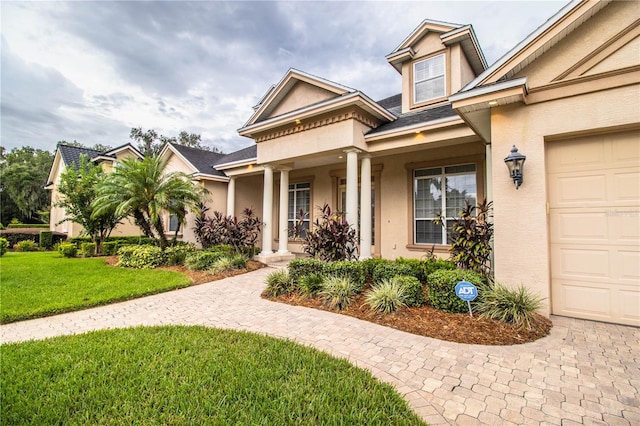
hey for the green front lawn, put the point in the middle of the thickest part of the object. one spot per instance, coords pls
(44, 283)
(188, 376)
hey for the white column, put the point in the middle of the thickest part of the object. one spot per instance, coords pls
(352, 188)
(231, 197)
(488, 173)
(365, 207)
(283, 236)
(267, 211)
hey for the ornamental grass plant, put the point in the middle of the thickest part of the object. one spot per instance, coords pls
(513, 305)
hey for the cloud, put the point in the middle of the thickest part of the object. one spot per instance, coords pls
(92, 70)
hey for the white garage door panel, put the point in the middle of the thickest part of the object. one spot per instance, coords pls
(594, 227)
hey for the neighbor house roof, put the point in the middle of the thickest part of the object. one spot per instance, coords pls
(242, 156)
(71, 154)
(201, 159)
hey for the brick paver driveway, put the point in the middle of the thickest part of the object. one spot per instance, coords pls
(583, 373)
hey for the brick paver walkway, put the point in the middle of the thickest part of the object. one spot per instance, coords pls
(583, 373)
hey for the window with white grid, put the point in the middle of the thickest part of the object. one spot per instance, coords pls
(428, 79)
(440, 191)
(299, 199)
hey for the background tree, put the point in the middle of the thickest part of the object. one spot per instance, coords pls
(144, 191)
(23, 175)
(150, 143)
(78, 188)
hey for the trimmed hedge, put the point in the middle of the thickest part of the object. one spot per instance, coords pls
(4, 245)
(442, 289)
(201, 260)
(46, 239)
(121, 240)
(413, 290)
(28, 225)
(141, 257)
(369, 265)
(351, 269)
(88, 249)
(299, 268)
(14, 236)
(386, 271)
(67, 249)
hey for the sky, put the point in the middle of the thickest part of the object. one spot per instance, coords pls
(90, 71)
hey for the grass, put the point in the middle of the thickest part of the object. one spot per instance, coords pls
(44, 283)
(188, 375)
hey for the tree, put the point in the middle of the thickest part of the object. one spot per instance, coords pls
(150, 143)
(23, 176)
(78, 188)
(144, 191)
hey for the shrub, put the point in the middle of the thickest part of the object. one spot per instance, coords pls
(331, 237)
(19, 225)
(238, 261)
(177, 254)
(278, 283)
(347, 269)
(223, 264)
(25, 245)
(67, 249)
(412, 288)
(88, 249)
(141, 257)
(369, 265)
(299, 268)
(241, 234)
(470, 237)
(110, 248)
(441, 289)
(386, 271)
(4, 245)
(201, 260)
(387, 296)
(415, 265)
(338, 292)
(46, 239)
(513, 305)
(431, 265)
(310, 284)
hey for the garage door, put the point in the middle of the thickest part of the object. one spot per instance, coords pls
(594, 211)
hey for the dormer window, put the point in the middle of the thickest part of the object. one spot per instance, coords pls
(428, 77)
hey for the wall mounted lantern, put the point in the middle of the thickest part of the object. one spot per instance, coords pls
(515, 163)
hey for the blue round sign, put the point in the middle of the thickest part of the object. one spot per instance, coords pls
(466, 291)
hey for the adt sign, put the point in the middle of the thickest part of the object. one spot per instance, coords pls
(466, 291)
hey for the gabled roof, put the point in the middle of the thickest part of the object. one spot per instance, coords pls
(291, 78)
(538, 42)
(116, 150)
(413, 120)
(201, 160)
(71, 154)
(449, 34)
(242, 156)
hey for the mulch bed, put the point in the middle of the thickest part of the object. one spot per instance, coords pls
(423, 321)
(431, 322)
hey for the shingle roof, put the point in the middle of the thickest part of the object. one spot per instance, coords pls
(248, 153)
(201, 159)
(413, 118)
(71, 154)
(392, 104)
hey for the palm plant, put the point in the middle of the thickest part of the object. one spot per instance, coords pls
(144, 191)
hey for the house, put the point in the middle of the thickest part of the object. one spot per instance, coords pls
(69, 156)
(567, 97)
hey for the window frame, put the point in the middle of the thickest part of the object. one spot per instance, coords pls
(443, 175)
(295, 190)
(415, 80)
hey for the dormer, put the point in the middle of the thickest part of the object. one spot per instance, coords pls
(436, 61)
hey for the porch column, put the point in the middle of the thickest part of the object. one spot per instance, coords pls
(231, 197)
(488, 173)
(352, 188)
(283, 237)
(365, 207)
(267, 211)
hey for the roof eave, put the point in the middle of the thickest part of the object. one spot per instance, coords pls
(413, 128)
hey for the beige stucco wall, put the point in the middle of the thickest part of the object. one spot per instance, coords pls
(336, 136)
(301, 95)
(521, 221)
(592, 34)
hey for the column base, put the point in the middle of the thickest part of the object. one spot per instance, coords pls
(274, 257)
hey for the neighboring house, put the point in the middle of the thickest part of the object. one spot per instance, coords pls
(69, 156)
(568, 96)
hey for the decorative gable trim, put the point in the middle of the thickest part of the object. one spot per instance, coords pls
(351, 115)
(273, 97)
(541, 40)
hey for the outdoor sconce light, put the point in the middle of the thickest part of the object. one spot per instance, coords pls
(515, 163)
